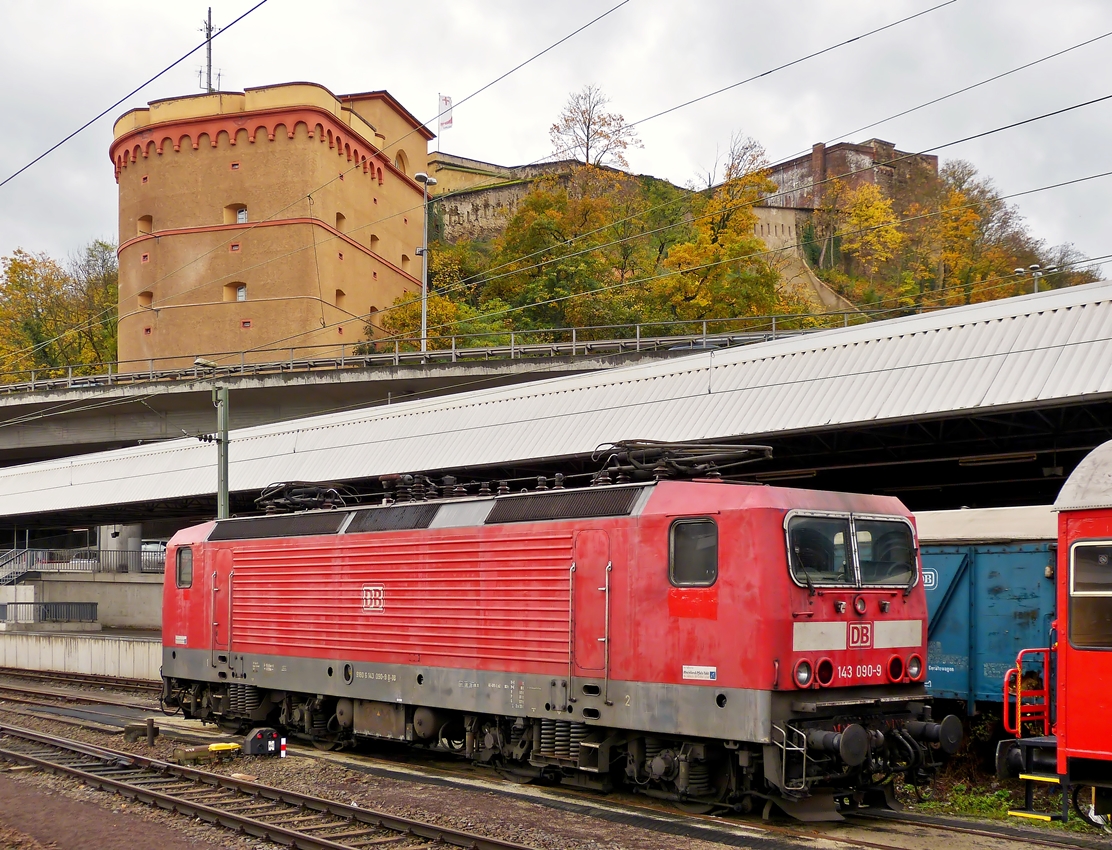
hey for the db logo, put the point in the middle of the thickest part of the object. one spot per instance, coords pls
(860, 634)
(930, 579)
(374, 598)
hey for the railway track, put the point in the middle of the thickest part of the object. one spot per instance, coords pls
(117, 683)
(871, 826)
(285, 817)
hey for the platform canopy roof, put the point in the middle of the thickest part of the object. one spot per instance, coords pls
(1024, 352)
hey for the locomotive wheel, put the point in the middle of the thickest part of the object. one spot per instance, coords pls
(325, 745)
(720, 779)
(1083, 805)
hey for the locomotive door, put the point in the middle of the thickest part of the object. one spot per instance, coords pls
(220, 574)
(591, 603)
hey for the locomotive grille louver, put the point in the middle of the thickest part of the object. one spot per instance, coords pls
(283, 525)
(394, 518)
(566, 504)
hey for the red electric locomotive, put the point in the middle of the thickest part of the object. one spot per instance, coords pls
(1066, 688)
(713, 643)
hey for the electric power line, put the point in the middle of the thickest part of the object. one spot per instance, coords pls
(134, 91)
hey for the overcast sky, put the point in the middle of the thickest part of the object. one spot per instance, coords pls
(65, 61)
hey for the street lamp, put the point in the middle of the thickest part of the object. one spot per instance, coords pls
(1036, 272)
(425, 181)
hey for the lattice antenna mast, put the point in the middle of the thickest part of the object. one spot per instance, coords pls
(207, 30)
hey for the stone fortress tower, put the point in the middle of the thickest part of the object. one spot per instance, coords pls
(252, 223)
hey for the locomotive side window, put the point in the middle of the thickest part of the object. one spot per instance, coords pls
(693, 553)
(184, 571)
(886, 551)
(1090, 617)
(819, 550)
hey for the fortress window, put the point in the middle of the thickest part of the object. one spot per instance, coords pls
(234, 166)
(144, 225)
(693, 553)
(374, 243)
(146, 298)
(235, 214)
(236, 291)
(405, 262)
(341, 222)
(401, 162)
(145, 178)
(341, 296)
(184, 572)
(146, 258)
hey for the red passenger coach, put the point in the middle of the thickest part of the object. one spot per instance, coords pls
(1066, 689)
(706, 642)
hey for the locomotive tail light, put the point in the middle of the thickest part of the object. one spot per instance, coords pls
(895, 668)
(914, 668)
(859, 604)
(803, 674)
(824, 672)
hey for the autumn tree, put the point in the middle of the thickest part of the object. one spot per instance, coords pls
(869, 227)
(52, 315)
(725, 269)
(587, 132)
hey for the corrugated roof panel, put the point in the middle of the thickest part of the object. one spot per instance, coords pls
(1046, 346)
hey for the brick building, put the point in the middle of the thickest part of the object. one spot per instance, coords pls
(800, 180)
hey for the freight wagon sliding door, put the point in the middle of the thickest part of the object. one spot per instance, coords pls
(591, 602)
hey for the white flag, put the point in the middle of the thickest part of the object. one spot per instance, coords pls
(445, 112)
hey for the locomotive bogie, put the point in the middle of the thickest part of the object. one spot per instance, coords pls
(701, 641)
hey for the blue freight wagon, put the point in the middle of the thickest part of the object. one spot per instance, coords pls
(989, 577)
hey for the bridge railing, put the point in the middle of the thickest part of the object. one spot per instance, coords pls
(396, 351)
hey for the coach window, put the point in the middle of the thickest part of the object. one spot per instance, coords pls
(1090, 617)
(819, 550)
(185, 567)
(693, 553)
(886, 551)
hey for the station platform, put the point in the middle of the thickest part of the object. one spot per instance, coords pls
(128, 653)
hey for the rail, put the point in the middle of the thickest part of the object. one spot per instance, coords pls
(48, 612)
(397, 351)
(262, 811)
(1033, 712)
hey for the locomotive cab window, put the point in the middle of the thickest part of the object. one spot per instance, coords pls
(693, 553)
(819, 551)
(1090, 617)
(184, 569)
(885, 551)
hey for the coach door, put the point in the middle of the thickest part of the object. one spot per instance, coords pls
(220, 575)
(1086, 663)
(591, 603)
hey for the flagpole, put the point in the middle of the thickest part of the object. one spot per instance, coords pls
(439, 101)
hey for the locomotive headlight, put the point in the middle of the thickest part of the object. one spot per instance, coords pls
(859, 604)
(803, 674)
(914, 667)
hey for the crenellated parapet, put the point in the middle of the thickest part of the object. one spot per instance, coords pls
(214, 130)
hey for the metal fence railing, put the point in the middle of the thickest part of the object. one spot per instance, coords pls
(395, 351)
(48, 612)
(16, 562)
